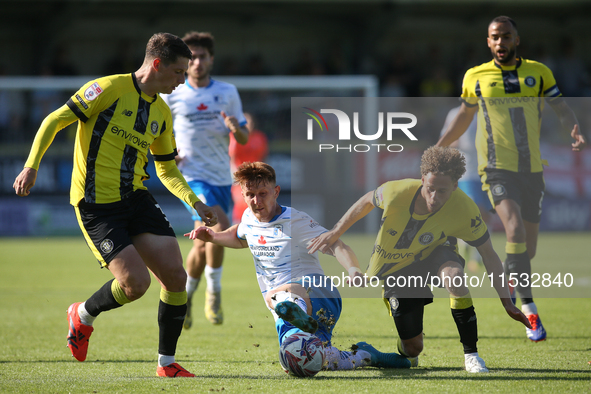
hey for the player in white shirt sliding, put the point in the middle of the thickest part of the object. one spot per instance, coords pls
(205, 112)
(291, 280)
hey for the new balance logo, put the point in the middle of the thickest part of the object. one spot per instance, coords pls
(127, 112)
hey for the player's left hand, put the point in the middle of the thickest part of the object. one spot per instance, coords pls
(515, 313)
(207, 214)
(203, 233)
(580, 142)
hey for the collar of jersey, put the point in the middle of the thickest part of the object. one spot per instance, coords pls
(412, 208)
(283, 209)
(508, 68)
(143, 95)
(205, 87)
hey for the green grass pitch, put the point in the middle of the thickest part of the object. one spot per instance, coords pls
(39, 278)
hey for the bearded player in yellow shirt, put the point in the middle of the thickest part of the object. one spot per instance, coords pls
(421, 222)
(509, 93)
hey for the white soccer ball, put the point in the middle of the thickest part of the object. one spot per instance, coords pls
(301, 355)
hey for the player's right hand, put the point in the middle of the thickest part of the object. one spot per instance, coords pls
(514, 312)
(356, 278)
(323, 242)
(25, 181)
(205, 234)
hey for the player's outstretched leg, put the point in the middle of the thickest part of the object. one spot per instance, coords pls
(383, 360)
(78, 333)
(292, 313)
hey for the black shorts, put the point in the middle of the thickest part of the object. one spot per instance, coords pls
(526, 189)
(108, 228)
(406, 304)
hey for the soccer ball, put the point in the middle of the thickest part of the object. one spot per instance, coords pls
(301, 355)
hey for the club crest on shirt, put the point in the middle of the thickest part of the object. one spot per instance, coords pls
(530, 81)
(277, 230)
(154, 127)
(426, 238)
(92, 91)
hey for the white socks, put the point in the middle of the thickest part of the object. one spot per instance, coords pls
(85, 317)
(340, 360)
(192, 284)
(164, 361)
(529, 309)
(214, 279)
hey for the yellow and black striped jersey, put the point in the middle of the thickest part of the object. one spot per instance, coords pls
(510, 114)
(406, 237)
(118, 124)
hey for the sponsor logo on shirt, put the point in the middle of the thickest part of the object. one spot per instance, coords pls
(134, 139)
(202, 107)
(476, 222)
(384, 254)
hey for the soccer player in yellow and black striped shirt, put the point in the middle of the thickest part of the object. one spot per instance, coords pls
(421, 221)
(120, 118)
(509, 92)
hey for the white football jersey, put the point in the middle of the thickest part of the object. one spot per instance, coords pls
(201, 136)
(279, 246)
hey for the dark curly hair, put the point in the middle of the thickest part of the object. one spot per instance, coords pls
(443, 161)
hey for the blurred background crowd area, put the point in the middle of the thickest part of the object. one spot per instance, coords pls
(414, 48)
(408, 49)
